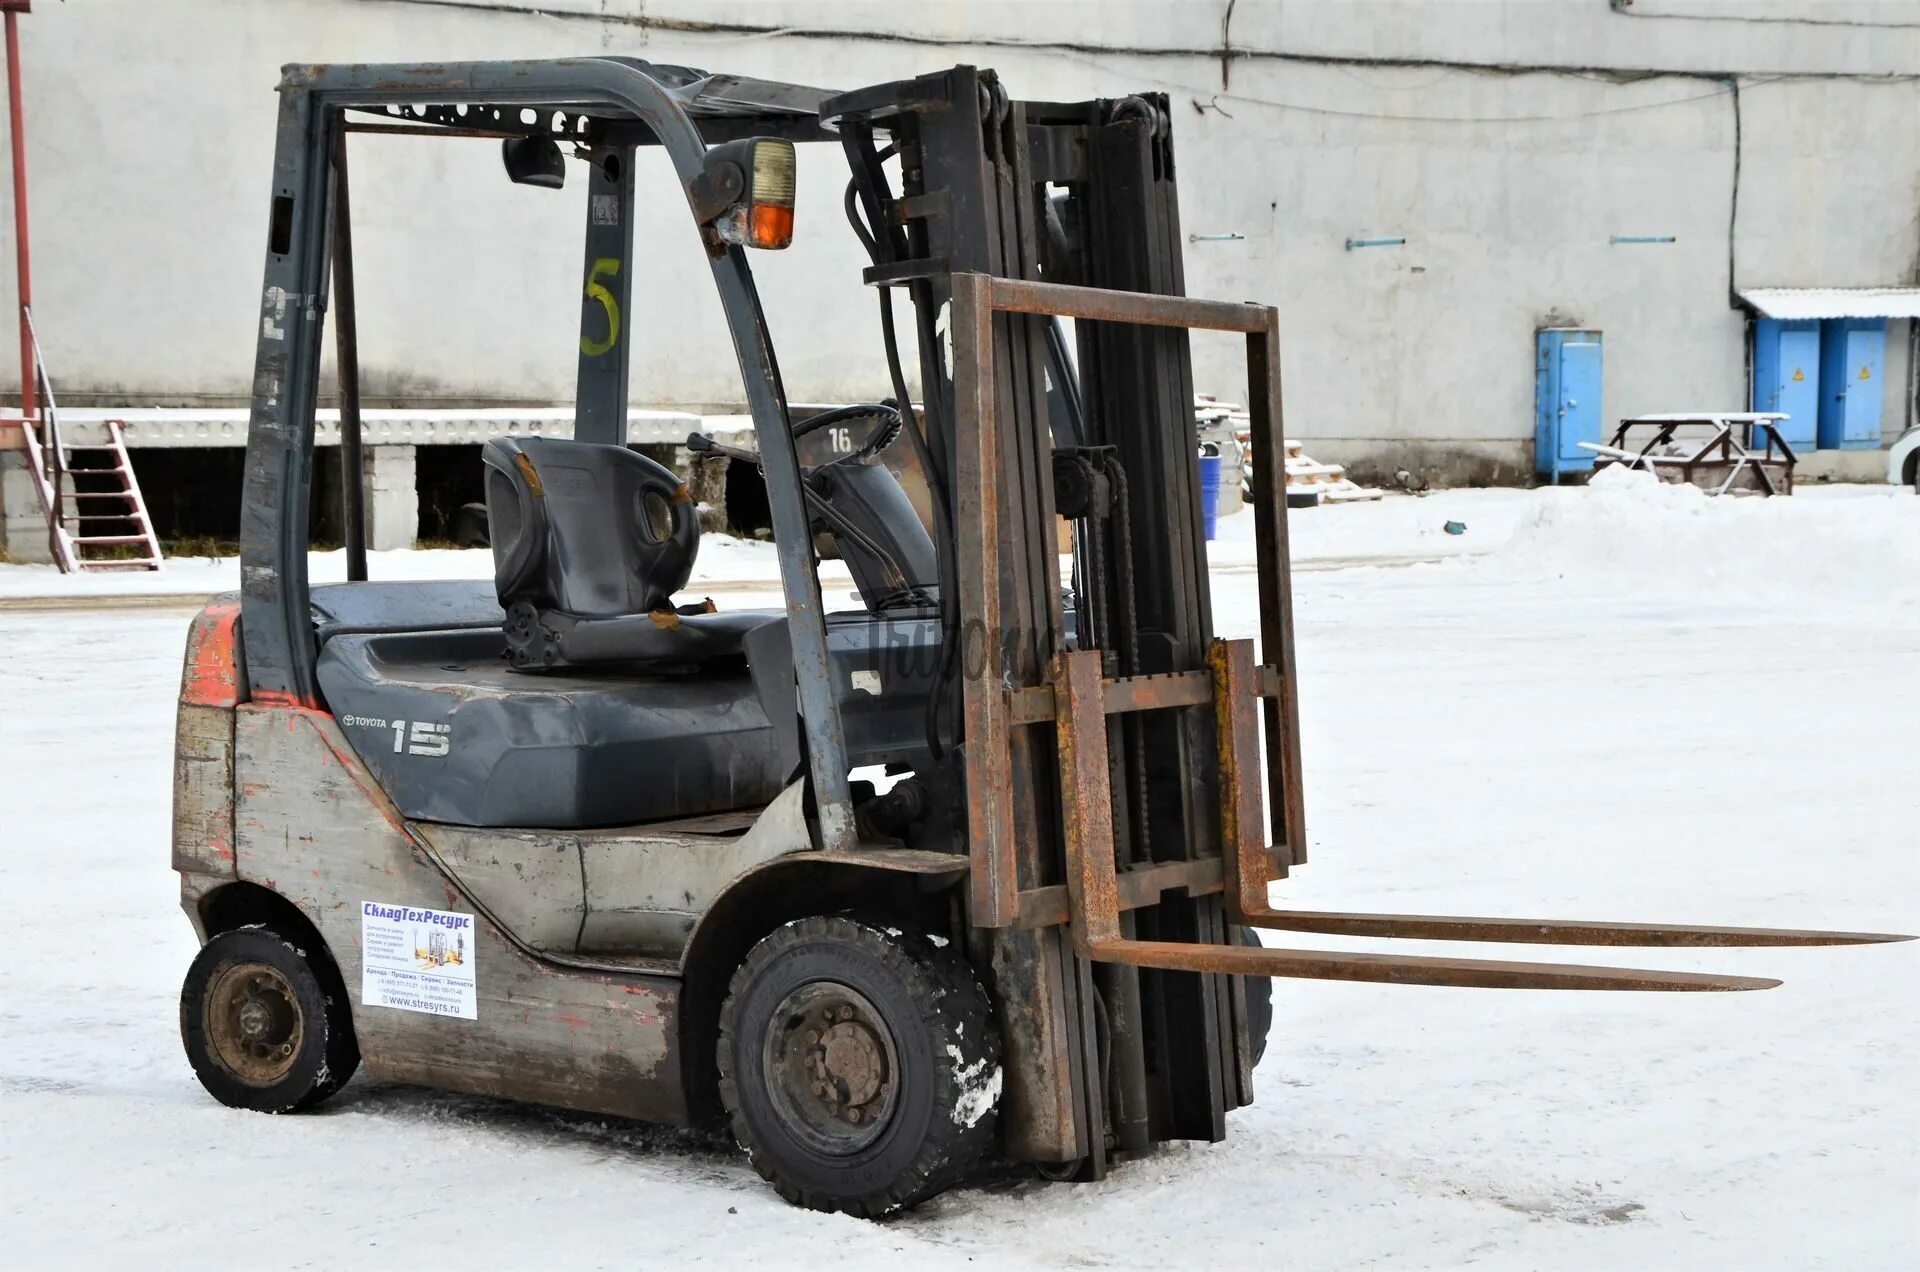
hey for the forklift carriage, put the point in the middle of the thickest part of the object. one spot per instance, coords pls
(560, 839)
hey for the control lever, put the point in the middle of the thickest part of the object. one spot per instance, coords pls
(701, 444)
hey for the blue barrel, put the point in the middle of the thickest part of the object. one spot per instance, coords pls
(1210, 492)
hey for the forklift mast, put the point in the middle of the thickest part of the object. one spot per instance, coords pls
(997, 192)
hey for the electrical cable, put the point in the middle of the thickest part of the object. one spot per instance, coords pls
(934, 472)
(1626, 10)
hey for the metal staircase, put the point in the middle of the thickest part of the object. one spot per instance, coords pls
(96, 518)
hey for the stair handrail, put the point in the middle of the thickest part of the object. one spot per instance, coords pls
(116, 433)
(50, 461)
(47, 460)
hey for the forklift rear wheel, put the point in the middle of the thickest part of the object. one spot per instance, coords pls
(860, 1064)
(266, 1025)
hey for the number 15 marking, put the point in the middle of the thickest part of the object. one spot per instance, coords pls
(430, 740)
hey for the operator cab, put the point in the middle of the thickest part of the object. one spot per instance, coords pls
(580, 693)
(582, 687)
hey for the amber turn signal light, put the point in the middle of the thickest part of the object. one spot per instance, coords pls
(745, 192)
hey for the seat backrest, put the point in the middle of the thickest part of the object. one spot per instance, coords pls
(586, 529)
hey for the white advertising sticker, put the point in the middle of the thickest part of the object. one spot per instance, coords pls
(417, 960)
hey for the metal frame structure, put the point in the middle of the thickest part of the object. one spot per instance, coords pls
(1067, 697)
(1724, 454)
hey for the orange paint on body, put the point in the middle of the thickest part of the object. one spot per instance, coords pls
(211, 677)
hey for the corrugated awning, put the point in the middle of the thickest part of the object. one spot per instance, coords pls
(1833, 302)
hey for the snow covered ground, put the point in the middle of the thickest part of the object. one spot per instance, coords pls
(1636, 704)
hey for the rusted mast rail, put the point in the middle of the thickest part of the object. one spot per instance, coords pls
(1081, 697)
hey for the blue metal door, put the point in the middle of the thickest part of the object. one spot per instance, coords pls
(1853, 354)
(1566, 400)
(1579, 398)
(1786, 376)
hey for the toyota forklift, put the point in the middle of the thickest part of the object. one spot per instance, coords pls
(571, 837)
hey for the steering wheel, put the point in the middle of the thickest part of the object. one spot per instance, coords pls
(886, 435)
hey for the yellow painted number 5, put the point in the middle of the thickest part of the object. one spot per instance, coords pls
(604, 267)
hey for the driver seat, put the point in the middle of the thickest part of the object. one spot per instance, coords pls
(590, 542)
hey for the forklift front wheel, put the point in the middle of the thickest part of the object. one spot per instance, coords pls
(265, 1028)
(859, 1063)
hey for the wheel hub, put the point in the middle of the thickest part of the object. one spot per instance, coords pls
(831, 1067)
(850, 1059)
(254, 1021)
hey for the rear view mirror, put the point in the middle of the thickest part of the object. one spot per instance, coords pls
(534, 161)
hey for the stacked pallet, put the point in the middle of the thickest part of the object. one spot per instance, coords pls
(1304, 474)
(1329, 481)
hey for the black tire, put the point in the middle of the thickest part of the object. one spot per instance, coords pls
(884, 1107)
(266, 1025)
(1259, 999)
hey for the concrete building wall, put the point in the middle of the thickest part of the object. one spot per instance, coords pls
(1506, 140)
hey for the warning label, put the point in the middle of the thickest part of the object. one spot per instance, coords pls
(417, 960)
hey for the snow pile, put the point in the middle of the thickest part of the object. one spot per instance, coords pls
(1630, 530)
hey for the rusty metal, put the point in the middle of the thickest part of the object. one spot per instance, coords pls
(831, 1067)
(1035, 703)
(1086, 797)
(1395, 969)
(989, 705)
(1134, 888)
(23, 272)
(983, 705)
(1248, 866)
(254, 1021)
(1282, 708)
(1433, 927)
(1041, 1113)
(1098, 304)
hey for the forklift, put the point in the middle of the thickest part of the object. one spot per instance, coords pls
(571, 838)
